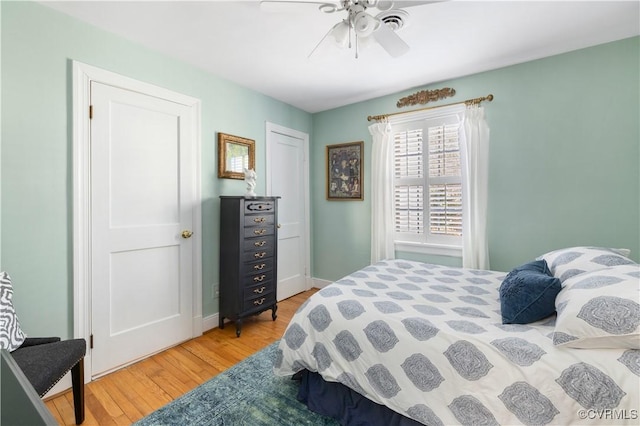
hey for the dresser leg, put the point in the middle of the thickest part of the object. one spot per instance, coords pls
(221, 323)
(238, 327)
(273, 312)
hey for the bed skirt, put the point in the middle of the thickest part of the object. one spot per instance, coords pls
(343, 404)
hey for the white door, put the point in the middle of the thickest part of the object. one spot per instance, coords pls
(141, 203)
(287, 177)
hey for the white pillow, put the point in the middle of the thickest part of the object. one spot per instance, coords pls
(600, 309)
(11, 335)
(568, 262)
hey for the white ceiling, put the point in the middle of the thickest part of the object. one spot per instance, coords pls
(266, 48)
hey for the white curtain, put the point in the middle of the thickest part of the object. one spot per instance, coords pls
(475, 251)
(381, 193)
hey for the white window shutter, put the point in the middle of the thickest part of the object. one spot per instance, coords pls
(408, 156)
(409, 182)
(409, 209)
(428, 181)
(445, 209)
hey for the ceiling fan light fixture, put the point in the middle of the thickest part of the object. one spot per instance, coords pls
(364, 24)
(340, 33)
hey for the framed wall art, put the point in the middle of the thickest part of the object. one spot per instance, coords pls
(234, 155)
(344, 171)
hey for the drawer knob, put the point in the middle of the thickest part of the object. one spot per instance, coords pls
(259, 302)
(259, 278)
(259, 267)
(259, 220)
(259, 290)
(260, 255)
(259, 231)
(260, 243)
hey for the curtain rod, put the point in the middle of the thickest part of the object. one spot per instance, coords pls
(475, 101)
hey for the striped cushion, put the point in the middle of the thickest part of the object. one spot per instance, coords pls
(11, 336)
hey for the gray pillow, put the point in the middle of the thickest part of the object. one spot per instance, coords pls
(600, 309)
(568, 262)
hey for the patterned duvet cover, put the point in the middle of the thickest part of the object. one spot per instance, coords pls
(428, 342)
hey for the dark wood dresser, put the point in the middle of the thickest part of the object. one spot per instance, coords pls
(248, 257)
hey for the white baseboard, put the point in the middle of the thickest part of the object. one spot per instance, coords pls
(210, 322)
(319, 283)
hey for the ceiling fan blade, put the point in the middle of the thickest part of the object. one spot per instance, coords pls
(390, 41)
(410, 3)
(330, 5)
(297, 1)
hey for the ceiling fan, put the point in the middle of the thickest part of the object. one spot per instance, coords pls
(359, 27)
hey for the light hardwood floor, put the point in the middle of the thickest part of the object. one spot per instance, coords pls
(129, 394)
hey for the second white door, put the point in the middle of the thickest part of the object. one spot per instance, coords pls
(287, 177)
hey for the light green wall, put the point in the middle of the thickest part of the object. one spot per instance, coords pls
(564, 160)
(38, 45)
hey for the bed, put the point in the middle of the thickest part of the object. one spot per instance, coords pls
(432, 345)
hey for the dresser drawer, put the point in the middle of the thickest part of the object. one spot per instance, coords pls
(258, 231)
(258, 290)
(259, 206)
(254, 244)
(261, 266)
(258, 278)
(260, 254)
(258, 219)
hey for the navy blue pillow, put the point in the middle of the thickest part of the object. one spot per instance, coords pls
(528, 293)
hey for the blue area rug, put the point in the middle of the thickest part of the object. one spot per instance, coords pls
(246, 394)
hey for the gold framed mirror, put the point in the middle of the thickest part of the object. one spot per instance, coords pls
(234, 155)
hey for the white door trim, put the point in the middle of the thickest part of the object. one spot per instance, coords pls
(275, 128)
(83, 74)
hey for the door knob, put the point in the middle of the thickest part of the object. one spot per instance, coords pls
(186, 233)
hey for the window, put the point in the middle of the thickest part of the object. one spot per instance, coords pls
(428, 182)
